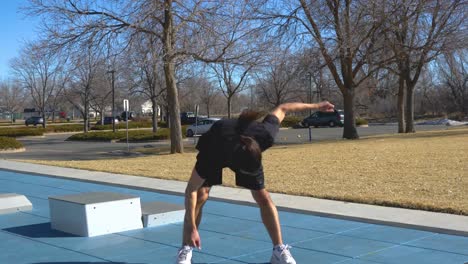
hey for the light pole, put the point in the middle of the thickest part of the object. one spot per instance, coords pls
(310, 101)
(112, 72)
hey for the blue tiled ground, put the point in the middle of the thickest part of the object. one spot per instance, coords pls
(230, 234)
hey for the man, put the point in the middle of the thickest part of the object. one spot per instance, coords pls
(238, 144)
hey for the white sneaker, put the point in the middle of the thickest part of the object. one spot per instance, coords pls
(184, 256)
(281, 255)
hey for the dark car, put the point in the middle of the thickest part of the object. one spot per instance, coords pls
(34, 120)
(108, 120)
(331, 119)
(187, 118)
(123, 116)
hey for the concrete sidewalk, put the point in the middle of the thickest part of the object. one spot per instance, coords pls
(415, 219)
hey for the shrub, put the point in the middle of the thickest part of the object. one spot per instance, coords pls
(65, 128)
(361, 121)
(290, 121)
(123, 125)
(9, 143)
(133, 135)
(21, 132)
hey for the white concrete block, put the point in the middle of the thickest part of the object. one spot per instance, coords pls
(12, 202)
(160, 213)
(95, 213)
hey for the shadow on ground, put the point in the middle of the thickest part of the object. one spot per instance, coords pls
(37, 231)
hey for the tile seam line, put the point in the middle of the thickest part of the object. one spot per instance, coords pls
(365, 225)
(52, 245)
(394, 246)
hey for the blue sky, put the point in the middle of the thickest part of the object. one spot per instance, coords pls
(15, 29)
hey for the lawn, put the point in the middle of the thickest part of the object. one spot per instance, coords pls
(425, 170)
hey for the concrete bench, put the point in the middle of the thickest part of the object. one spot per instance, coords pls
(95, 213)
(12, 202)
(160, 213)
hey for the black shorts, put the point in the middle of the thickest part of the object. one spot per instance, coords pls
(210, 168)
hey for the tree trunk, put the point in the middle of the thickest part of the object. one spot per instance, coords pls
(86, 116)
(174, 116)
(349, 131)
(409, 111)
(401, 105)
(229, 99)
(44, 124)
(169, 73)
(154, 115)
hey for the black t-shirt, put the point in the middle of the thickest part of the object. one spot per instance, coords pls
(223, 136)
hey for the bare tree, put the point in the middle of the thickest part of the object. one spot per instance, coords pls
(39, 71)
(345, 33)
(100, 92)
(146, 78)
(12, 98)
(198, 91)
(208, 93)
(183, 29)
(84, 79)
(455, 76)
(419, 31)
(277, 83)
(232, 79)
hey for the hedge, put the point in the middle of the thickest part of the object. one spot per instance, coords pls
(131, 124)
(361, 121)
(133, 135)
(9, 143)
(65, 128)
(291, 121)
(21, 132)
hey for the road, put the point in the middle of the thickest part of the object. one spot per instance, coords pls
(328, 133)
(55, 146)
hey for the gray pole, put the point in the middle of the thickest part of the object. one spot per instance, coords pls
(310, 101)
(113, 99)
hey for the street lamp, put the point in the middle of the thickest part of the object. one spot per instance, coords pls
(310, 101)
(112, 72)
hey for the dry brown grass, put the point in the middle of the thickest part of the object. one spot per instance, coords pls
(426, 170)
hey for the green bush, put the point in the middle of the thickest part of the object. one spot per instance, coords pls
(361, 121)
(98, 136)
(290, 121)
(123, 125)
(65, 128)
(21, 132)
(133, 135)
(9, 143)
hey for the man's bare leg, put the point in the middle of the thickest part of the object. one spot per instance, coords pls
(269, 215)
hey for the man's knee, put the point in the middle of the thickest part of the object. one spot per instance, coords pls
(202, 195)
(262, 197)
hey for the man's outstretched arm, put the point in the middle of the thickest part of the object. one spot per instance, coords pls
(282, 109)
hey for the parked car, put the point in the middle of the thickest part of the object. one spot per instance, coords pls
(34, 120)
(123, 116)
(108, 121)
(331, 119)
(201, 127)
(187, 118)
